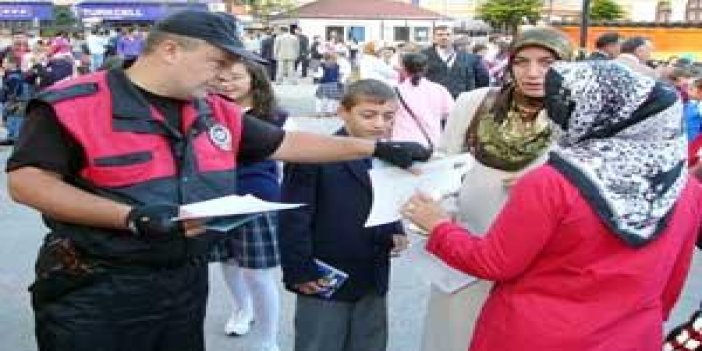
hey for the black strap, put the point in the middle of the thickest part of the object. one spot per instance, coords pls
(415, 118)
(205, 119)
(53, 96)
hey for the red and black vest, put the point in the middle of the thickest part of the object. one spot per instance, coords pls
(133, 156)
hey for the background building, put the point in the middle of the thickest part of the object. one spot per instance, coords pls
(25, 14)
(364, 20)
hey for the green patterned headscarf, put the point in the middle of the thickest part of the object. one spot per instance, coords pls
(502, 139)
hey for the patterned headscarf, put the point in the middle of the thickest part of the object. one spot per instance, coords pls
(620, 141)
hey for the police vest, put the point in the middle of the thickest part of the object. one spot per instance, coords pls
(137, 159)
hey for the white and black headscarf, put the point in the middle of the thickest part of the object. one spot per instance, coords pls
(620, 141)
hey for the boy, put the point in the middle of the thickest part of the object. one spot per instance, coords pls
(331, 229)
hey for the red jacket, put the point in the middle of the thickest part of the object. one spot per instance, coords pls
(563, 280)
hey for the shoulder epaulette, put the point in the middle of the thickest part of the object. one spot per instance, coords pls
(57, 95)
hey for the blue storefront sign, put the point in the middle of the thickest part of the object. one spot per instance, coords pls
(26, 11)
(124, 11)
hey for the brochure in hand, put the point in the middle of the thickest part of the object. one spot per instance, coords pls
(333, 276)
(227, 223)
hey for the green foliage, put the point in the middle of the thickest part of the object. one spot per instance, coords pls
(510, 13)
(63, 17)
(265, 9)
(605, 10)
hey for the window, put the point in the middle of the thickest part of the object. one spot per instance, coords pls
(663, 11)
(401, 34)
(693, 12)
(358, 33)
(421, 34)
(335, 32)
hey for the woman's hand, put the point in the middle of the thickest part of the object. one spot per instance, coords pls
(424, 212)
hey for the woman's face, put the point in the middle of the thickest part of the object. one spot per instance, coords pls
(529, 68)
(237, 84)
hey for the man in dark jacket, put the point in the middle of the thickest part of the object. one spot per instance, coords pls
(608, 46)
(304, 59)
(267, 53)
(457, 71)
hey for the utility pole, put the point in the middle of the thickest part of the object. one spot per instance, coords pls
(584, 24)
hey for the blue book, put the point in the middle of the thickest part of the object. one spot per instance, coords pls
(333, 276)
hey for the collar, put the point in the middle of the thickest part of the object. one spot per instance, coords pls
(629, 57)
(359, 168)
(131, 103)
(132, 112)
(341, 132)
(602, 53)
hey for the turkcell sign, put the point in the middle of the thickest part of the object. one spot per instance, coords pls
(133, 12)
(113, 13)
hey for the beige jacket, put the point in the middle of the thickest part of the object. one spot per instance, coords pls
(286, 47)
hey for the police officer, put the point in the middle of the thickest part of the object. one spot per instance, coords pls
(108, 158)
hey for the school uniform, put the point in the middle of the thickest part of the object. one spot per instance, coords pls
(331, 228)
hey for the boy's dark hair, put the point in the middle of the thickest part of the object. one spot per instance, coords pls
(415, 64)
(630, 45)
(367, 90)
(607, 39)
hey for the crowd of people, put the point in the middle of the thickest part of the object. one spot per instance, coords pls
(29, 63)
(578, 218)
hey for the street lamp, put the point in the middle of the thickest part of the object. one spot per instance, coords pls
(584, 23)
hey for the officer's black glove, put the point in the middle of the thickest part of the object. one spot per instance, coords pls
(155, 222)
(401, 153)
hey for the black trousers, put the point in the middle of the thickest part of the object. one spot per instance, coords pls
(305, 62)
(146, 310)
(272, 69)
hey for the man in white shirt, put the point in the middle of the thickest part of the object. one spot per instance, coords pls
(97, 45)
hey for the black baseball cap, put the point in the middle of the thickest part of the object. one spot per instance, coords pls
(216, 28)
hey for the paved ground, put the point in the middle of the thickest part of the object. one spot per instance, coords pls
(21, 233)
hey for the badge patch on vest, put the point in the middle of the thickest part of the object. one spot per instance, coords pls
(220, 137)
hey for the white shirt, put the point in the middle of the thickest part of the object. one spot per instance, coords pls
(96, 44)
(447, 55)
(372, 67)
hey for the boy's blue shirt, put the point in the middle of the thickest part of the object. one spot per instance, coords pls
(330, 228)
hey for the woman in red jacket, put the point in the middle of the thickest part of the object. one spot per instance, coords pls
(591, 250)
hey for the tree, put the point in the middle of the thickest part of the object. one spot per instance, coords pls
(510, 13)
(606, 10)
(265, 9)
(64, 17)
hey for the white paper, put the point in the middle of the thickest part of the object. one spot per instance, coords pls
(436, 271)
(231, 205)
(392, 187)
